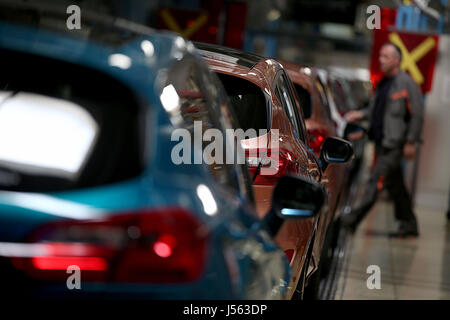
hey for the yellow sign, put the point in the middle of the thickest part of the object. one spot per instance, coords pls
(190, 30)
(409, 59)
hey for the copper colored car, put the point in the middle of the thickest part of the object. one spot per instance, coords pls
(263, 98)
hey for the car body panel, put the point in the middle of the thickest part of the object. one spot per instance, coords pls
(293, 235)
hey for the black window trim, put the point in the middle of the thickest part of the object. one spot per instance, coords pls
(300, 129)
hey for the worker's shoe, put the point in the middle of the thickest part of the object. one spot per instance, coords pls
(404, 234)
(406, 229)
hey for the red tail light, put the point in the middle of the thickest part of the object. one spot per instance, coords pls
(274, 164)
(164, 245)
(316, 138)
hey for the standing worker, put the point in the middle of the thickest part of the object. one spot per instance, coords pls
(396, 116)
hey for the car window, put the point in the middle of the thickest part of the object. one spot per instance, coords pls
(284, 93)
(338, 95)
(348, 94)
(248, 102)
(304, 98)
(202, 98)
(323, 98)
(60, 132)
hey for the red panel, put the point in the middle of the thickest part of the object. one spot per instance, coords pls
(185, 18)
(411, 40)
(388, 16)
(235, 25)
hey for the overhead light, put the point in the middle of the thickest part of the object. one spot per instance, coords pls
(337, 30)
(273, 15)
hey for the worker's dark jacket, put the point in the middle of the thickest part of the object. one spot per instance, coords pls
(403, 115)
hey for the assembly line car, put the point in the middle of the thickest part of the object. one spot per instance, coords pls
(315, 106)
(263, 99)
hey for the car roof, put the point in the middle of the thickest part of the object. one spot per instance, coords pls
(257, 69)
(230, 55)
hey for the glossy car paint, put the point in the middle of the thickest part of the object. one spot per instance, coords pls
(294, 235)
(338, 119)
(241, 261)
(335, 177)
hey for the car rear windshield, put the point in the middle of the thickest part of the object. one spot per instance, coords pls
(248, 102)
(64, 126)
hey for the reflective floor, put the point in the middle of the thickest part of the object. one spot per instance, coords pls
(415, 268)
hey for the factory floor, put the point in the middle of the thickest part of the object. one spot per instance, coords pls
(378, 267)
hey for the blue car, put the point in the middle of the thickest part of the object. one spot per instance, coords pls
(92, 203)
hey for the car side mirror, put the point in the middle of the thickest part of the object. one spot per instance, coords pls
(293, 197)
(335, 150)
(354, 131)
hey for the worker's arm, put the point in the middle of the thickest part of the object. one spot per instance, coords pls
(363, 114)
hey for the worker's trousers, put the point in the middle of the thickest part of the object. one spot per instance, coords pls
(387, 173)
